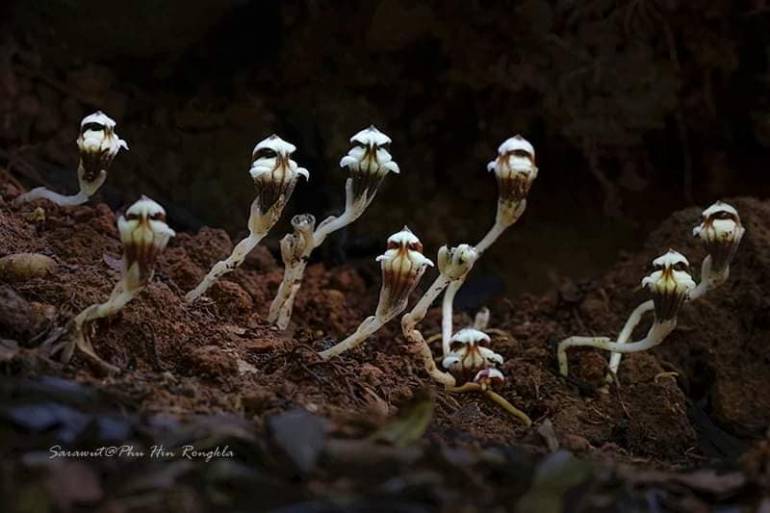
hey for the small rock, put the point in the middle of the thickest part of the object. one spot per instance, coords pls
(25, 266)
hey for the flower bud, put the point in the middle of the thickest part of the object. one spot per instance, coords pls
(144, 234)
(98, 144)
(403, 264)
(721, 232)
(274, 172)
(468, 351)
(294, 245)
(455, 262)
(670, 284)
(489, 377)
(514, 168)
(368, 161)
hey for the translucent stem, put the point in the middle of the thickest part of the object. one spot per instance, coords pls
(709, 280)
(364, 331)
(627, 331)
(282, 306)
(413, 335)
(504, 404)
(225, 266)
(120, 296)
(496, 398)
(54, 197)
(447, 312)
(658, 332)
(507, 215)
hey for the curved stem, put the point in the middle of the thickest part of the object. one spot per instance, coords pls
(283, 303)
(412, 334)
(507, 215)
(504, 404)
(465, 387)
(364, 331)
(627, 331)
(709, 280)
(658, 332)
(54, 197)
(121, 295)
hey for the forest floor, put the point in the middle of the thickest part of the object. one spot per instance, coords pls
(685, 429)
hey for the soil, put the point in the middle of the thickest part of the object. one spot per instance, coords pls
(220, 356)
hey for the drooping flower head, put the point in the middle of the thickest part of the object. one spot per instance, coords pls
(514, 168)
(403, 264)
(489, 377)
(274, 172)
(670, 284)
(469, 351)
(721, 232)
(98, 144)
(144, 234)
(369, 161)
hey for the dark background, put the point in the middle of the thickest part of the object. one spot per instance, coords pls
(636, 108)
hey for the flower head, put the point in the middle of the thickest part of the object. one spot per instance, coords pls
(274, 172)
(294, 245)
(468, 350)
(670, 284)
(403, 264)
(489, 377)
(369, 161)
(514, 168)
(98, 144)
(144, 234)
(455, 262)
(721, 231)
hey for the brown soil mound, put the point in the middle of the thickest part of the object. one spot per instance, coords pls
(219, 355)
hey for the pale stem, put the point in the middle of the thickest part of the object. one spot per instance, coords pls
(709, 280)
(225, 266)
(364, 331)
(507, 406)
(658, 332)
(87, 189)
(446, 314)
(507, 215)
(627, 331)
(496, 398)
(412, 334)
(283, 304)
(54, 197)
(120, 296)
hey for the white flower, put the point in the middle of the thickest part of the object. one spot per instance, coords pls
(721, 231)
(488, 377)
(514, 168)
(98, 144)
(144, 234)
(670, 284)
(403, 264)
(274, 172)
(369, 161)
(468, 351)
(455, 262)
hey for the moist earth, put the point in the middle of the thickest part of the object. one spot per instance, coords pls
(701, 395)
